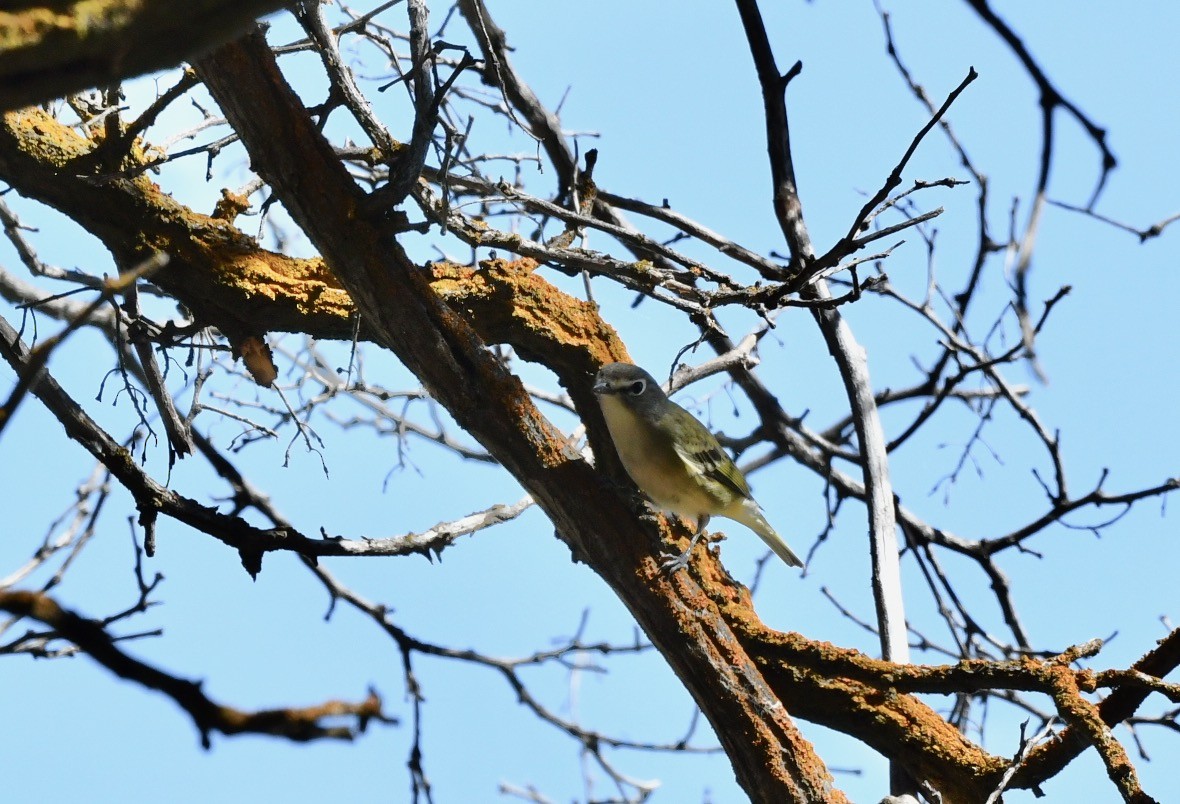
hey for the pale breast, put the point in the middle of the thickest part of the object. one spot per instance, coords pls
(654, 466)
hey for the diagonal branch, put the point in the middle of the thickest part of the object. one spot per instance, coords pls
(1047, 760)
(301, 725)
(849, 355)
(594, 517)
(850, 242)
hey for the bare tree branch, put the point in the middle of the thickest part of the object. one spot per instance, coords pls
(208, 716)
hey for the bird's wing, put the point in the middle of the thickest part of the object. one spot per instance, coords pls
(708, 460)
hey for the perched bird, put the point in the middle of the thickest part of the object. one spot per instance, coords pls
(675, 460)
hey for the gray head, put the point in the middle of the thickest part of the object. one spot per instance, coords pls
(631, 384)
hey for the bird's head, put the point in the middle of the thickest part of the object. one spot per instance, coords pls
(631, 384)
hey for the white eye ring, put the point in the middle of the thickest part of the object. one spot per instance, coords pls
(637, 388)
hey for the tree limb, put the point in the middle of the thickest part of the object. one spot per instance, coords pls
(52, 49)
(300, 725)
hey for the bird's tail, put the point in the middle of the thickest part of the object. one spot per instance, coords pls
(750, 515)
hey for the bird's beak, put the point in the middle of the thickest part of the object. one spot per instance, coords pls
(600, 387)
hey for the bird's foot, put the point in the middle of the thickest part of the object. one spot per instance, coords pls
(676, 561)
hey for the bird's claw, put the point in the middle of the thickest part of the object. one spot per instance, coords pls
(676, 561)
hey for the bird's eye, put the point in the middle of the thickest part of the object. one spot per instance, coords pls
(636, 388)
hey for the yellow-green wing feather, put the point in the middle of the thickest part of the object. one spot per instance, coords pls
(704, 456)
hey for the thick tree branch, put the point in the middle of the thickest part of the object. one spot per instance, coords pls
(1047, 760)
(849, 355)
(440, 318)
(224, 277)
(487, 401)
(52, 49)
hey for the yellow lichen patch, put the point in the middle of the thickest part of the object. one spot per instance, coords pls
(507, 301)
(91, 16)
(306, 283)
(43, 137)
(27, 27)
(230, 206)
(226, 279)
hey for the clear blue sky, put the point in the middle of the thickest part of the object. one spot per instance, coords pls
(671, 95)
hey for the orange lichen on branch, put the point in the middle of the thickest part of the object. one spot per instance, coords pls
(30, 27)
(509, 302)
(221, 274)
(874, 701)
(231, 282)
(230, 205)
(695, 618)
(866, 698)
(43, 137)
(305, 284)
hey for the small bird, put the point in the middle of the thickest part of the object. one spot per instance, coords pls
(675, 460)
